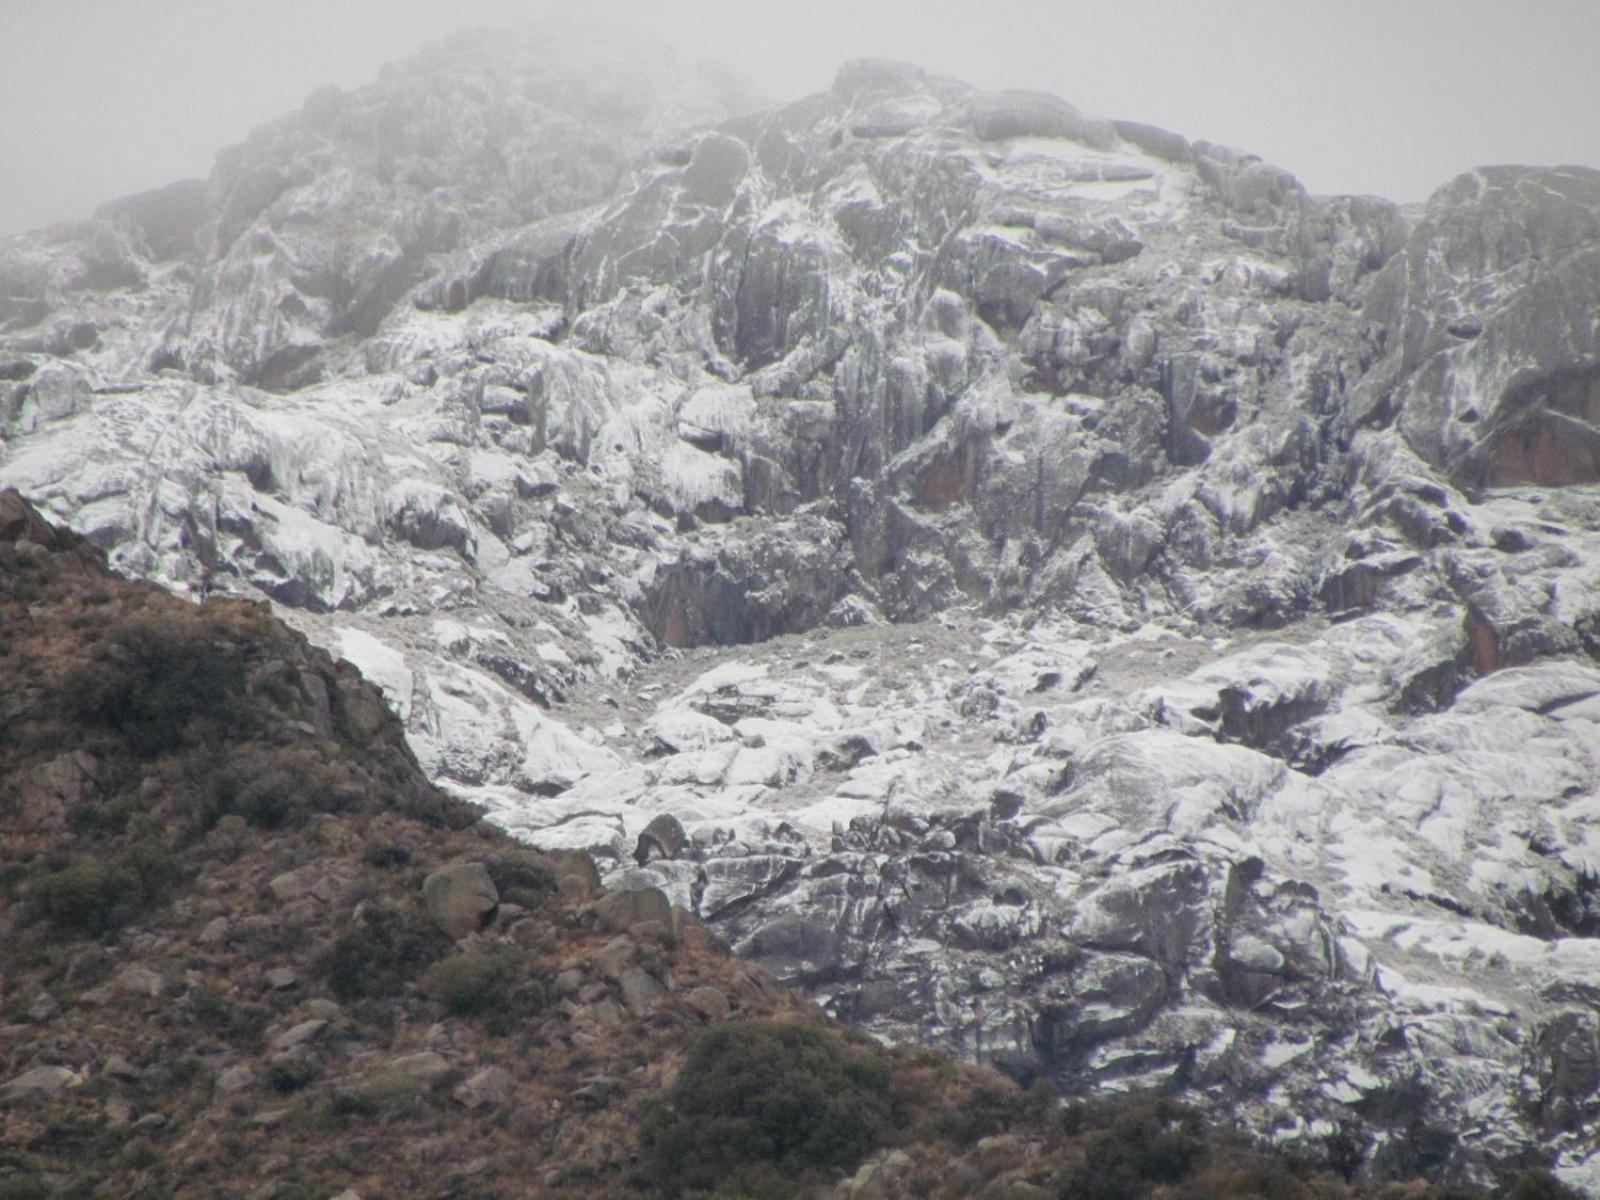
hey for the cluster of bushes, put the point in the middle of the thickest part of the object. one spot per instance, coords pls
(158, 683)
(1144, 1143)
(470, 983)
(766, 1110)
(388, 947)
(491, 984)
(277, 788)
(91, 897)
(985, 1111)
(761, 1107)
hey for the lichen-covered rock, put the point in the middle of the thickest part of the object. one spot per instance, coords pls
(41, 1083)
(488, 1088)
(633, 910)
(460, 899)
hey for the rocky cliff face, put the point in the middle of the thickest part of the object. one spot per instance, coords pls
(1047, 587)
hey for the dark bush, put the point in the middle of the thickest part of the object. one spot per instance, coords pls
(437, 810)
(211, 1009)
(1540, 1185)
(990, 1110)
(270, 789)
(272, 802)
(764, 1099)
(520, 879)
(90, 819)
(1145, 1142)
(387, 854)
(522, 1003)
(96, 897)
(287, 1075)
(214, 1012)
(376, 959)
(154, 680)
(180, 1073)
(1248, 1179)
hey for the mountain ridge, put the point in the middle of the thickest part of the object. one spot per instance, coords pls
(1237, 546)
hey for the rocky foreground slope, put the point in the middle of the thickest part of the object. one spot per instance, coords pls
(1047, 587)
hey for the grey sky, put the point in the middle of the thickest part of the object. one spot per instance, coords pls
(103, 97)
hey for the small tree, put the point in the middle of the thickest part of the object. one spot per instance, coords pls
(764, 1097)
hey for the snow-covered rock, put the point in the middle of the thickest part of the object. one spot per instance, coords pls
(1052, 589)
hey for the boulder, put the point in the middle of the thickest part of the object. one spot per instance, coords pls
(461, 899)
(640, 990)
(299, 1035)
(709, 1003)
(322, 882)
(137, 980)
(119, 1068)
(280, 978)
(235, 1079)
(41, 1083)
(633, 911)
(663, 837)
(616, 956)
(428, 1067)
(577, 876)
(489, 1088)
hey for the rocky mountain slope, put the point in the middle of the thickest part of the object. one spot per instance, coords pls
(1048, 588)
(251, 951)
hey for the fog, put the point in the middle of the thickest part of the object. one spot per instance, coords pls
(99, 98)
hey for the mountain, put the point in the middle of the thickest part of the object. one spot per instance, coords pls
(252, 951)
(1049, 589)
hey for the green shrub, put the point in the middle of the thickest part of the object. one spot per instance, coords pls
(376, 959)
(242, 1024)
(271, 789)
(386, 1091)
(96, 897)
(989, 1110)
(90, 819)
(286, 1075)
(211, 1009)
(230, 838)
(1540, 1185)
(272, 802)
(347, 1105)
(763, 1102)
(469, 983)
(141, 1156)
(523, 1003)
(154, 680)
(182, 1072)
(433, 808)
(521, 879)
(24, 1188)
(387, 854)
(1145, 1142)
